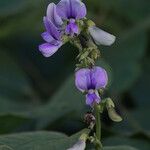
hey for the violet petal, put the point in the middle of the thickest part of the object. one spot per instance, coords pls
(78, 9)
(82, 79)
(68, 9)
(53, 16)
(99, 77)
(47, 37)
(48, 49)
(63, 8)
(52, 29)
(72, 28)
(92, 98)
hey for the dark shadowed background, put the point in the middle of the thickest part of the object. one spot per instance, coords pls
(38, 93)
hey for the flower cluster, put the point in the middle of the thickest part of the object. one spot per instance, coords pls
(67, 22)
(68, 18)
(61, 19)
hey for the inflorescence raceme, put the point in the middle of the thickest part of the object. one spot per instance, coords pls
(67, 22)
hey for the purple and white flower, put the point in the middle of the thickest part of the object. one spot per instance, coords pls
(90, 80)
(101, 37)
(52, 36)
(54, 21)
(63, 19)
(71, 11)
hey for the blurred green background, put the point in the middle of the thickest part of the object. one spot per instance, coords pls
(38, 93)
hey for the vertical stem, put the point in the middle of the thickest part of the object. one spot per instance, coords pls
(98, 128)
(98, 124)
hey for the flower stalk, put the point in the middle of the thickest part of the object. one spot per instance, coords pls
(66, 22)
(98, 127)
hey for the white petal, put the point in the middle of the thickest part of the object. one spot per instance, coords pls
(101, 37)
(80, 145)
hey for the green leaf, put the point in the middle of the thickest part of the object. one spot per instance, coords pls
(13, 81)
(12, 116)
(12, 122)
(140, 91)
(136, 120)
(141, 116)
(10, 7)
(137, 143)
(19, 13)
(124, 147)
(123, 57)
(45, 141)
(38, 141)
(119, 148)
(134, 10)
(15, 95)
(131, 10)
(67, 100)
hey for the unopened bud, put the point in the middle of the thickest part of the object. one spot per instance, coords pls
(111, 111)
(90, 23)
(113, 115)
(89, 119)
(80, 145)
(109, 103)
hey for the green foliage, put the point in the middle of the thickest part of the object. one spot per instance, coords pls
(119, 148)
(142, 96)
(8, 8)
(39, 94)
(64, 102)
(38, 141)
(44, 141)
(124, 57)
(11, 74)
(139, 144)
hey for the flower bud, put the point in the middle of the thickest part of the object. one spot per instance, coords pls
(113, 115)
(109, 103)
(80, 145)
(111, 111)
(89, 119)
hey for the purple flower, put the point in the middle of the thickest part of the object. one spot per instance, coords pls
(71, 10)
(53, 33)
(91, 80)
